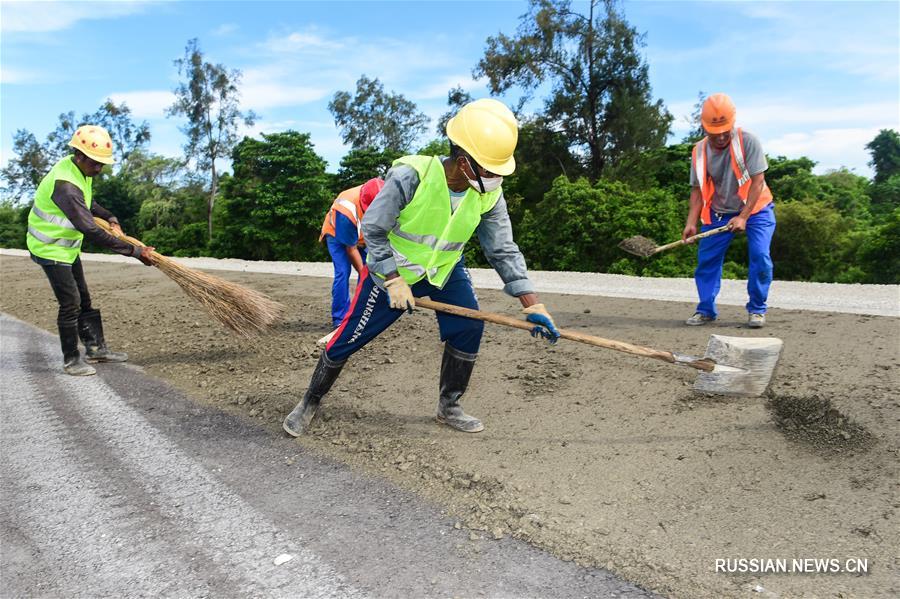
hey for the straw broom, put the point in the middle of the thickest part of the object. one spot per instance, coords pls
(244, 311)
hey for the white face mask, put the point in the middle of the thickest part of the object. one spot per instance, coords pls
(490, 184)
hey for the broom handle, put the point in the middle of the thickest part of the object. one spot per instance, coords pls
(509, 321)
(674, 244)
(133, 241)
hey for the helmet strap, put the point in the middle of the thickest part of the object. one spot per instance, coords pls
(474, 166)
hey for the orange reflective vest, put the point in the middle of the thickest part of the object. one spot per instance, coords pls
(347, 203)
(738, 165)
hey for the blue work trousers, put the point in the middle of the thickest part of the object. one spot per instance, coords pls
(340, 286)
(711, 255)
(370, 314)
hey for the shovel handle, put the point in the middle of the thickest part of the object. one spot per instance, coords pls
(509, 321)
(690, 239)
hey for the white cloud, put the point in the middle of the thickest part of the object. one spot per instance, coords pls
(439, 89)
(38, 17)
(14, 76)
(225, 29)
(150, 104)
(831, 148)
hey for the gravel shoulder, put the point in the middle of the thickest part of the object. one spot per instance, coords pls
(599, 457)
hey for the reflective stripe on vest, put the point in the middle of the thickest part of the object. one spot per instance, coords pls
(50, 234)
(347, 203)
(738, 167)
(67, 243)
(60, 221)
(428, 238)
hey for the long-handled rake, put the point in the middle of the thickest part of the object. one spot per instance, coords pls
(244, 311)
(645, 247)
(731, 366)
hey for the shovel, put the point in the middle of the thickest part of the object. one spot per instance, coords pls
(732, 365)
(644, 247)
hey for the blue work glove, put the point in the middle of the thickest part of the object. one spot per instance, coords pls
(546, 328)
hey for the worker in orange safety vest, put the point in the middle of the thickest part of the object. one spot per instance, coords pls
(728, 187)
(343, 237)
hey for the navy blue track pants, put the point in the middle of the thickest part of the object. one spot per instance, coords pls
(370, 314)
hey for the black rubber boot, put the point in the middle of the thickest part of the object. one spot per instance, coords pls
(323, 378)
(456, 370)
(72, 362)
(90, 329)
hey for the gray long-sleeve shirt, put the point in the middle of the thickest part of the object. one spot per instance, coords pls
(70, 200)
(494, 232)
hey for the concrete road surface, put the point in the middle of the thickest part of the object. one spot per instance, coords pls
(116, 485)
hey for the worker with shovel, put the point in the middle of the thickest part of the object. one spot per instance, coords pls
(60, 218)
(415, 233)
(342, 232)
(728, 187)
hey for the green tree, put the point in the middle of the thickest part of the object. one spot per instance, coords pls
(600, 97)
(373, 118)
(813, 242)
(542, 155)
(885, 151)
(879, 253)
(209, 98)
(577, 227)
(360, 165)
(25, 169)
(456, 99)
(13, 222)
(32, 159)
(696, 132)
(274, 203)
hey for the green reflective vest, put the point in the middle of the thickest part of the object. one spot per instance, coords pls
(429, 238)
(50, 234)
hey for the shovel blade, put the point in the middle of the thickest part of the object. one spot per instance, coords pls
(639, 246)
(753, 360)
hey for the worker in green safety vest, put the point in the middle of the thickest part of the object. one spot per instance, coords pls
(60, 218)
(415, 231)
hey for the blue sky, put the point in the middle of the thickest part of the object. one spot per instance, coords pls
(809, 78)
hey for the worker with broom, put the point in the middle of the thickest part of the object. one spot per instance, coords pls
(728, 187)
(60, 218)
(415, 233)
(342, 232)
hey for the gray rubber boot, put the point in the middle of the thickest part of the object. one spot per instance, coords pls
(456, 370)
(323, 378)
(72, 362)
(90, 329)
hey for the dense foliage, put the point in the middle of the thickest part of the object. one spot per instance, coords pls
(588, 173)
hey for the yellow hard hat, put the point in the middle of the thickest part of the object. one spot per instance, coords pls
(488, 131)
(94, 142)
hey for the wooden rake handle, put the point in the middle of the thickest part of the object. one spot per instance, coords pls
(690, 239)
(516, 323)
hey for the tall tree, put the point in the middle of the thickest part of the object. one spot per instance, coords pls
(456, 99)
(274, 203)
(373, 118)
(885, 150)
(360, 165)
(600, 85)
(696, 132)
(209, 98)
(32, 159)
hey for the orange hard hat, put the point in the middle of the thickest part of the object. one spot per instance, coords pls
(718, 114)
(368, 191)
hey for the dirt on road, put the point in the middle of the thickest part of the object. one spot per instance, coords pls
(598, 457)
